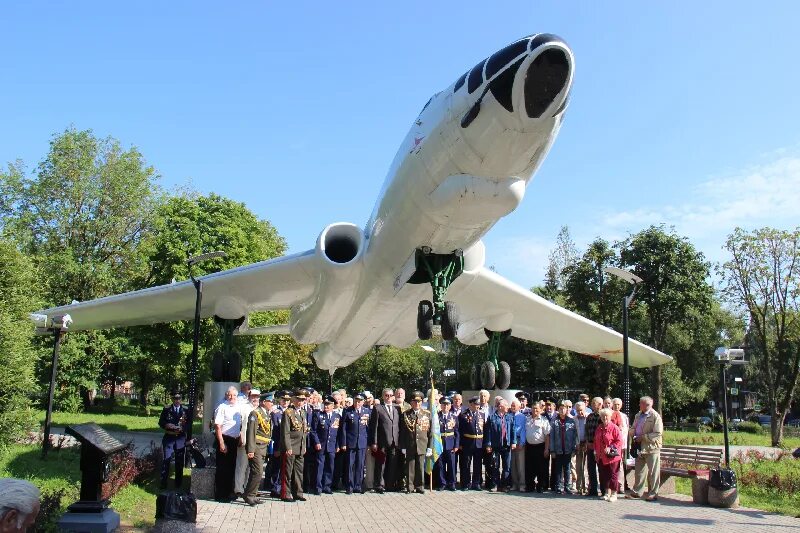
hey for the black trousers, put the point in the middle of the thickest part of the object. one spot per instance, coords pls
(386, 474)
(536, 467)
(226, 468)
(591, 467)
(470, 467)
(292, 475)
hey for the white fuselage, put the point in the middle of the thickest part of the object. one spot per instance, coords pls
(451, 180)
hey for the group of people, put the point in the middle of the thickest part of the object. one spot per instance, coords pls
(291, 444)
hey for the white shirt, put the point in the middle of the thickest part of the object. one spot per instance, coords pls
(229, 418)
(536, 429)
(245, 409)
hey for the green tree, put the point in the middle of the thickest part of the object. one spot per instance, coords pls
(762, 279)
(675, 293)
(186, 225)
(17, 298)
(81, 217)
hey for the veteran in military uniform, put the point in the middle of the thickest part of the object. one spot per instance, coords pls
(470, 427)
(259, 435)
(416, 442)
(446, 463)
(173, 422)
(354, 437)
(325, 439)
(294, 432)
(276, 462)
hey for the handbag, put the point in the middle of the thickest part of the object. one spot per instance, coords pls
(635, 449)
(612, 451)
(174, 505)
(722, 478)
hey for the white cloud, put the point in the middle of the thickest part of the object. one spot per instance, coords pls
(767, 194)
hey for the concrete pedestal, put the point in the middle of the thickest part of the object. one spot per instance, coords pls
(103, 522)
(203, 482)
(723, 498)
(213, 395)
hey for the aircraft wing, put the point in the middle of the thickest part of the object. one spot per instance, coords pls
(275, 284)
(484, 296)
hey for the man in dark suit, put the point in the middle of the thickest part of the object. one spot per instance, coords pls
(173, 422)
(499, 439)
(384, 438)
(354, 439)
(448, 429)
(325, 429)
(470, 429)
(294, 432)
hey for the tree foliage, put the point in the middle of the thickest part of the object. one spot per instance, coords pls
(762, 279)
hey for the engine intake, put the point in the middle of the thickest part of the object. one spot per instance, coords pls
(340, 243)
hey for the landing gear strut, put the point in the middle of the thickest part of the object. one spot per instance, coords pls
(440, 270)
(227, 365)
(492, 373)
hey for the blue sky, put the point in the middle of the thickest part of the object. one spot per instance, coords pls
(682, 112)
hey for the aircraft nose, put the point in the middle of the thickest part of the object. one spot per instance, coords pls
(545, 78)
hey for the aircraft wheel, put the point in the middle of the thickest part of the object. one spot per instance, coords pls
(449, 321)
(503, 376)
(487, 375)
(425, 320)
(475, 377)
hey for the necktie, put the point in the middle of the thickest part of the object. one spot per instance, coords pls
(503, 431)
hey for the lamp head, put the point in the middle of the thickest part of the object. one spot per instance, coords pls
(624, 275)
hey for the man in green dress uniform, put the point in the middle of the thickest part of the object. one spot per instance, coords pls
(294, 433)
(416, 442)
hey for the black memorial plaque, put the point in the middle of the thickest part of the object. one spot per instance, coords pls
(96, 447)
(92, 434)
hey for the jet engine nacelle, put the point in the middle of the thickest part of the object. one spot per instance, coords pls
(340, 251)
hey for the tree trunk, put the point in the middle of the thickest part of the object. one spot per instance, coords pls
(656, 386)
(144, 386)
(86, 397)
(776, 426)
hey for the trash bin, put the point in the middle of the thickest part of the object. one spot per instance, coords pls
(722, 490)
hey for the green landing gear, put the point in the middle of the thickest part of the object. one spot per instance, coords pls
(227, 365)
(440, 270)
(492, 373)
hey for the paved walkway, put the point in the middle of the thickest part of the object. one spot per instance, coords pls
(483, 512)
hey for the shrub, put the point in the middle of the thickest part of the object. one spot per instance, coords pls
(750, 427)
(50, 510)
(127, 468)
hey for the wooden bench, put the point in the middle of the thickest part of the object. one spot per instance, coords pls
(693, 462)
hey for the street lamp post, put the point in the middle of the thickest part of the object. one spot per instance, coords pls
(627, 300)
(198, 286)
(725, 357)
(57, 326)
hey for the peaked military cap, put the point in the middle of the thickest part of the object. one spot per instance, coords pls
(444, 399)
(417, 395)
(359, 396)
(284, 395)
(300, 394)
(268, 397)
(474, 399)
(329, 399)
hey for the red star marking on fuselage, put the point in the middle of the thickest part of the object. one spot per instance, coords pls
(418, 140)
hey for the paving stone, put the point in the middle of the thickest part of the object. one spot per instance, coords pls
(482, 512)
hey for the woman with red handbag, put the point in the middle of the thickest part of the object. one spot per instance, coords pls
(607, 450)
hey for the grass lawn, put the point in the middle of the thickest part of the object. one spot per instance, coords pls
(716, 438)
(123, 418)
(61, 471)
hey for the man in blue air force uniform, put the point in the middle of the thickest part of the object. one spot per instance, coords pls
(353, 439)
(325, 443)
(446, 463)
(470, 428)
(173, 422)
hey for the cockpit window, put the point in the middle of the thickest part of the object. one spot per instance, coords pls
(475, 77)
(504, 56)
(460, 82)
(501, 86)
(427, 104)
